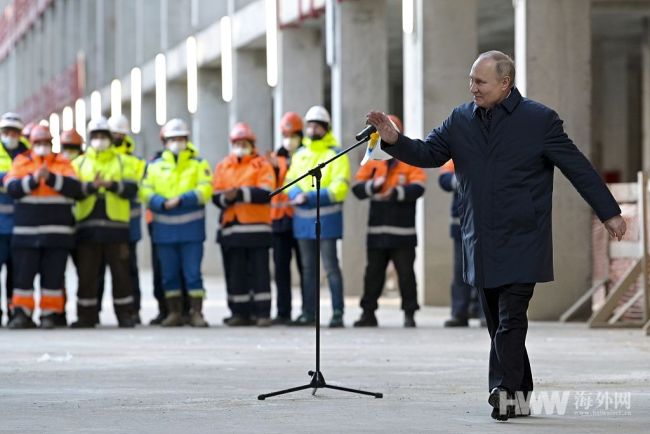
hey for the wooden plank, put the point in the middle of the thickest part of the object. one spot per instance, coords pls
(603, 314)
(624, 191)
(646, 328)
(618, 325)
(628, 304)
(625, 249)
(581, 302)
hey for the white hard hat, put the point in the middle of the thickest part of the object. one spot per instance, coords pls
(318, 114)
(99, 124)
(119, 125)
(175, 128)
(11, 120)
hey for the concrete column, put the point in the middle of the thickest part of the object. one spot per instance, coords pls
(125, 34)
(645, 101)
(178, 21)
(177, 101)
(556, 60)
(252, 97)
(359, 83)
(435, 81)
(210, 133)
(149, 29)
(300, 83)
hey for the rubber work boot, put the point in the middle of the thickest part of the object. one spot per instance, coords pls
(337, 320)
(174, 313)
(196, 313)
(48, 321)
(368, 319)
(20, 320)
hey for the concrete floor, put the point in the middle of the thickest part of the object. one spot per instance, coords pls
(186, 380)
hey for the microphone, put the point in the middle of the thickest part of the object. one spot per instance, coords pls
(365, 133)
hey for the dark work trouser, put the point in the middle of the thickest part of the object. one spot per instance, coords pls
(90, 255)
(463, 296)
(5, 259)
(248, 281)
(49, 263)
(133, 271)
(375, 277)
(283, 244)
(505, 310)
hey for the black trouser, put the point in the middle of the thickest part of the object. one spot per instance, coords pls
(133, 271)
(505, 310)
(90, 255)
(283, 244)
(249, 281)
(375, 277)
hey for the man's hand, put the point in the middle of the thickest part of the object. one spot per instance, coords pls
(386, 195)
(172, 203)
(384, 127)
(231, 194)
(299, 199)
(616, 227)
(41, 173)
(378, 182)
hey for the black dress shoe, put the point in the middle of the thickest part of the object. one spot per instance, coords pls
(368, 319)
(495, 400)
(409, 320)
(83, 324)
(158, 319)
(457, 322)
(303, 320)
(281, 320)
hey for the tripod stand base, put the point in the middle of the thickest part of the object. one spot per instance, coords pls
(318, 382)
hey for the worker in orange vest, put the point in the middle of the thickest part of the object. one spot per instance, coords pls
(242, 183)
(282, 215)
(393, 188)
(44, 185)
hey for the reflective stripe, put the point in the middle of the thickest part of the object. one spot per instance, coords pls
(391, 230)
(43, 230)
(455, 220)
(171, 293)
(262, 296)
(136, 212)
(239, 298)
(25, 184)
(196, 292)
(46, 200)
(6, 209)
(222, 200)
(311, 213)
(120, 187)
(369, 191)
(52, 292)
(58, 182)
(102, 224)
(87, 302)
(246, 194)
(123, 301)
(23, 292)
(179, 219)
(401, 194)
(245, 229)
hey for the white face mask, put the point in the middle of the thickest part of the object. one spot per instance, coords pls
(100, 144)
(42, 150)
(240, 152)
(10, 142)
(176, 146)
(290, 143)
(70, 154)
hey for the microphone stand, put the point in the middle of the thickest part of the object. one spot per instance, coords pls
(317, 379)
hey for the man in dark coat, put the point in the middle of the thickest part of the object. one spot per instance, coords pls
(505, 148)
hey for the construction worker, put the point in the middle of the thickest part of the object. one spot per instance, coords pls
(44, 186)
(13, 144)
(393, 188)
(176, 188)
(464, 297)
(71, 144)
(282, 216)
(242, 183)
(125, 145)
(318, 146)
(103, 226)
(27, 130)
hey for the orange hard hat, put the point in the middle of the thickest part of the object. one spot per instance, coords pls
(397, 122)
(242, 131)
(291, 123)
(40, 133)
(71, 137)
(28, 129)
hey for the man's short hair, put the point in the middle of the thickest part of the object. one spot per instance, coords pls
(504, 64)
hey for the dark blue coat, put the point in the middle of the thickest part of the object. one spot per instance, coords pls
(505, 180)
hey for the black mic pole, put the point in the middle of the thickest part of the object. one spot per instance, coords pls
(317, 379)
